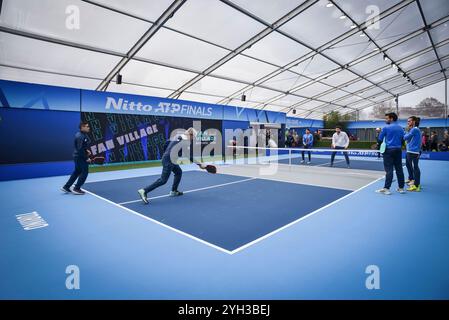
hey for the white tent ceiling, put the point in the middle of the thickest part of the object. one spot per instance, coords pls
(313, 56)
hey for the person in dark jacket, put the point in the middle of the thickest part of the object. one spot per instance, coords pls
(433, 141)
(81, 158)
(169, 165)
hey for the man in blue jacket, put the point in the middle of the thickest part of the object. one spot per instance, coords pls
(81, 158)
(394, 136)
(413, 138)
(307, 141)
(169, 165)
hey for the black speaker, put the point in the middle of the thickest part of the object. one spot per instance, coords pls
(119, 79)
(294, 111)
(243, 98)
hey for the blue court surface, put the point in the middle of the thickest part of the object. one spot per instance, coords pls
(227, 237)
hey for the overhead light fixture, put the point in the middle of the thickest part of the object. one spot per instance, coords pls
(394, 66)
(362, 34)
(353, 26)
(329, 4)
(342, 17)
(119, 79)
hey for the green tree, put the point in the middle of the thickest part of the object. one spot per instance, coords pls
(334, 118)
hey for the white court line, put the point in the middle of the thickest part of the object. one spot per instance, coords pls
(160, 223)
(300, 219)
(323, 164)
(193, 190)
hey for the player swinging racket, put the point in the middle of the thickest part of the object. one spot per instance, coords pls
(169, 165)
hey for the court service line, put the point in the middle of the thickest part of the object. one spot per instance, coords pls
(159, 223)
(300, 219)
(193, 190)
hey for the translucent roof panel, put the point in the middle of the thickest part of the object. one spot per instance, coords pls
(397, 25)
(307, 114)
(216, 22)
(269, 11)
(155, 75)
(325, 23)
(339, 78)
(311, 104)
(397, 81)
(435, 9)
(48, 17)
(150, 10)
(244, 68)
(199, 97)
(357, 9)
(356, 86)
(443, 50)
(313, 89)
(350, 49)
(418, 61)
(14, 74)
(409, 47)
(333, 95)
(277, 49)
(138, 89)
(285, 81)
(440, 33)
(315, 66)
(425, 71)
(258, 94)
(288, 100)
(167, 46)
(369, 65)
(435, 78)
(216, 86)
(383, 75)
(53, 57)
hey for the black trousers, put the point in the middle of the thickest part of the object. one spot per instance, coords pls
(393, 161)
(167, 169)
(344, 153)
(308, 152)
(81, 171)
(411, 161)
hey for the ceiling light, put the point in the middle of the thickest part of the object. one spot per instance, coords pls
(353, 26)
(394, 66)
(342, 17)
(362, 34)
(330, 4)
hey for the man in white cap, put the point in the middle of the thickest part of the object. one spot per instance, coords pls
(169, 165)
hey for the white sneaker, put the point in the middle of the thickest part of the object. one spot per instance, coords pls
(302, 161)
(143, 196)
(384, 191)
(308, 162)
(401, 190)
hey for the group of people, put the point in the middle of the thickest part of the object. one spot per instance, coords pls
(293, 139)
(432, 143)
(393, 136)
(340, 141)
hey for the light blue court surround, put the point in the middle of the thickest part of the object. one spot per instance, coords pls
(122, 255)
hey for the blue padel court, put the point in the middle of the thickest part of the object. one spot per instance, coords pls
(204, 212)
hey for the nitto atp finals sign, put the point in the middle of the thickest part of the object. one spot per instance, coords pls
(107, 102)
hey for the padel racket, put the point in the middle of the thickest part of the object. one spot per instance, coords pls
(383, 147)
(97, 160)
(211, 169)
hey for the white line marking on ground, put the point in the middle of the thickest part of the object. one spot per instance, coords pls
(300, 219)
(160, 223)
(193, 190)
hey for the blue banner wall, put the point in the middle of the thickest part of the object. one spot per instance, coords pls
(303, 123)
(34, 96)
